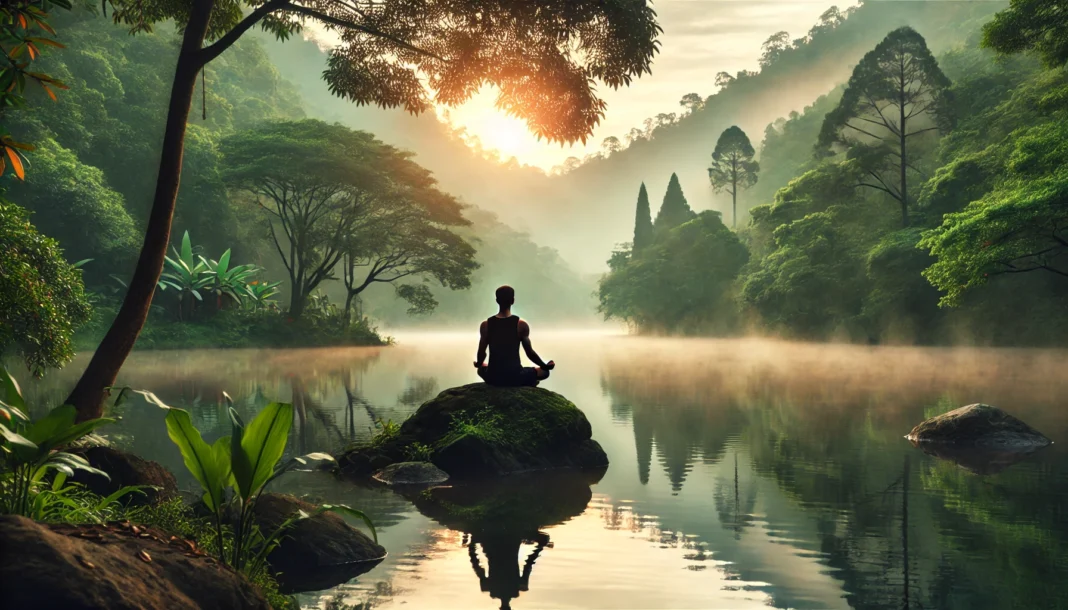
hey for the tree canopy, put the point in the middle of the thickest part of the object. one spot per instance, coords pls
(1038, 26)
(332, 192)
(643, 222)
(42, 299)
(674, 210)
(896, 92)
(733, 167)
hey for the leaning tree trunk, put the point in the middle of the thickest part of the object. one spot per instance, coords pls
(89, 394)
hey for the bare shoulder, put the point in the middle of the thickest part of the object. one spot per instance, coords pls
(482, 327)
(524, 328)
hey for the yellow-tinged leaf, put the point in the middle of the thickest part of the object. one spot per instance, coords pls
(22, 21)
(32, 50)
(50, 42)
(16, 163)
(3, 166)
(44, 26)
(50, 93)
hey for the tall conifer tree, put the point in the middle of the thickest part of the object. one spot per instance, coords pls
(675, 210)
(643, 221)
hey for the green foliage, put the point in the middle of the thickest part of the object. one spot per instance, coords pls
(1019, 227)
(418, 452)
(674, 210)
(896, 83)
(733, 167)
(643, 221)
(384, 432)
(610, 42)
(41, 295)
(680, 282)
(72, 203)
(1037, 26)
(18, 20)
(190, 275)
(31, 450)
(246, 462)
(338, 196)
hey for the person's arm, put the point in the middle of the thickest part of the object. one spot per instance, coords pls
(483, 343)
(524, 338)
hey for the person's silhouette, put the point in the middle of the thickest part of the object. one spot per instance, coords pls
(504, 581)
(502, 334)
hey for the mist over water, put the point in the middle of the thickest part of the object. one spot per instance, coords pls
(744, 473)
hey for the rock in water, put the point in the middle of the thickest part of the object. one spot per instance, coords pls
(411, 473)
(78, 567)
(479, 430)
(126, 469)
(978, 425)
(316, 553)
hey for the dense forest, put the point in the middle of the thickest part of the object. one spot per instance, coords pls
(940, 220)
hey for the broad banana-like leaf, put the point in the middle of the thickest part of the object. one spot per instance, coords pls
(200, 459)
(58, 420)
(263, 443)
(23, 449)
(10, 393)
(295, 464)
(241, 467)
(352, 512)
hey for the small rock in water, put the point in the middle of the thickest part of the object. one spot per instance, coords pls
(979, 425)
(411, 473)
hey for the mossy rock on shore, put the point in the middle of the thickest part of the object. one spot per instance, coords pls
(479, 430)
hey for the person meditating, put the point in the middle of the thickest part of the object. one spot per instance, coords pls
(502, 334)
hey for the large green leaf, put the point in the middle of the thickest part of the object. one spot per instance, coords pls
(263, 444)
(10, 394)
(352, 512)
(200, 459)
(57, 421)
(23, 449)
(241, 467)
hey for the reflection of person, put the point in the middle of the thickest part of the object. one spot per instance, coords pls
(503, 334)
(504, 581)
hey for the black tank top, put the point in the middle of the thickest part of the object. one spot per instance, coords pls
(503, 344)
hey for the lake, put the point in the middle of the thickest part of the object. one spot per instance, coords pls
(744, 473)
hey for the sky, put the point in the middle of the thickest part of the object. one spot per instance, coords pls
(700, 39)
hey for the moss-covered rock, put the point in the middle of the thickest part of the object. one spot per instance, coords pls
(479, 430)
(979, 425)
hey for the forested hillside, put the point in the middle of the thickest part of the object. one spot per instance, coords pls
(948, 229)
(93, 172)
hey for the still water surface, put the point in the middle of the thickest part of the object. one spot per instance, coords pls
(744, 474)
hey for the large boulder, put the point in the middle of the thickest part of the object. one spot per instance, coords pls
(316, 553)
(126, 469)
(411, 473)
(479, 430)
(112, 567)
(978, 425)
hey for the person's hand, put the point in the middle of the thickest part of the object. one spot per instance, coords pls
(550, 365)
(479, 365)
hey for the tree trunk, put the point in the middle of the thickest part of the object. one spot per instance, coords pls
(734, 191)
(89, 394)
(297, 301)
(348, 309)
(904, 163)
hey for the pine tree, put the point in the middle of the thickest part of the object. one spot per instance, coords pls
(643, 221)
(674, 211)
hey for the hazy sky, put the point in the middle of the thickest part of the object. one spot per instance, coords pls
(700, 39)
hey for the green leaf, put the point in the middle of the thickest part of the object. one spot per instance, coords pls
(57, 421)
(263, 444)
(239, 462)
(23, 448)
(187, 249)
(200, 459)
(121, 493)
(77, 431)
(352, 512)
(11, 394)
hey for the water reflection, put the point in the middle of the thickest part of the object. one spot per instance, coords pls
(743, 474)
